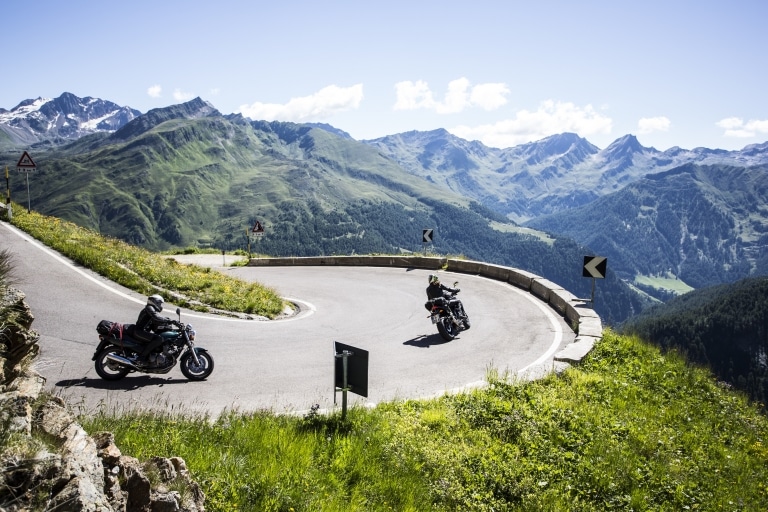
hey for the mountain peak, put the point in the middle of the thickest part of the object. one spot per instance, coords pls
(67, 117)
(564, 145)
(192, 109)
(628, 144)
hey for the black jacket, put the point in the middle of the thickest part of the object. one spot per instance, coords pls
(149, 320)
(439, 290)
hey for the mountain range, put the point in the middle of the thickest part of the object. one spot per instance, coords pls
(63, 119)
(187, 175)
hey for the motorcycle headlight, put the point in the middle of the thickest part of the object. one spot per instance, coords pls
(190, 332)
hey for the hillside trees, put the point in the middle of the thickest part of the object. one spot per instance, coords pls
(723, 327)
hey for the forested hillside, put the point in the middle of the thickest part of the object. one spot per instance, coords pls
(723, 327)
(702, 224)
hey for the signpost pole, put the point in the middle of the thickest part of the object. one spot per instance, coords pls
(349, 374)
(258, 232)
(344, 389)
(8, 195)
(26, 164)
(594, 267)
(426, 237)
(344, 355)
(29, 200)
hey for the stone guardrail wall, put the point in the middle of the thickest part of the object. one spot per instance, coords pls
(582, 319)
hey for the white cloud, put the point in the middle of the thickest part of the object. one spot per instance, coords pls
(215, 91)
(155, 91)
(461, 95)
(736, 127)
(413, 95)
(551, 118)
(489, 96)
(180, 95)
(653, 124)
(319, 106)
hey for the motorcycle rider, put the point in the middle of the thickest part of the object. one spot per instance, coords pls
(149, 322)
(437, 290)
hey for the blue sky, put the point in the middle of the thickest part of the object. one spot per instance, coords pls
(673, 73)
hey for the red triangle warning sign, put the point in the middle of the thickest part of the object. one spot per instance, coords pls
(26, 161)
(258, 228)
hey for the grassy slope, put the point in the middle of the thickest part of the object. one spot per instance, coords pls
(147, 273)
(631, 429)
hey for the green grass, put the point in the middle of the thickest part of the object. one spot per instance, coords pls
(670, 283)
(146, 272)
(630, 429)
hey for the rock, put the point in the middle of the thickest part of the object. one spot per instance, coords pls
(166, 502)
(80, 495)
(165, 468)
(137, 487)
(107, 451)
(78, 450)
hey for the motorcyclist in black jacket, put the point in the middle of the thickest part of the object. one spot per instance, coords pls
(149, 322)
(437, 290)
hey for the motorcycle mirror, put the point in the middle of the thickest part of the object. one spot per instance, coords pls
(455, 284)
(178, 313)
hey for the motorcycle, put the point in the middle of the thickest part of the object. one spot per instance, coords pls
(117, 353)
(450, 319)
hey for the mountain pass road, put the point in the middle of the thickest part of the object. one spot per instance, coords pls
(286, 365)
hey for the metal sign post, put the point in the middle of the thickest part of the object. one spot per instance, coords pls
(8, 195)
(26, 164)
(594, 267)
(350, 373)
(258, 232)
(426, 238)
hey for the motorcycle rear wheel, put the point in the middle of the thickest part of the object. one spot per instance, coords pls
(194, 371)
(447, 329)
(109, 370)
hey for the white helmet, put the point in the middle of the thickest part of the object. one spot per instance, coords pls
(156, 302)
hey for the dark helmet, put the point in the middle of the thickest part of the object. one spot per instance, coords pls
(433, 279)
(156, 302)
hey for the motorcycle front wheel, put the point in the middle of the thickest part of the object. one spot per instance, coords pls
(194, 371)
(109, 370)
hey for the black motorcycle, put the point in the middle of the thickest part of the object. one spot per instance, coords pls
(448, 315)
(118, 353)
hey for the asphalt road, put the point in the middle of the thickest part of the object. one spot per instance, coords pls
(287, 365)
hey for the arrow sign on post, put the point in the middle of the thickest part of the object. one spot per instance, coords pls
(426, 236)
(594, 266)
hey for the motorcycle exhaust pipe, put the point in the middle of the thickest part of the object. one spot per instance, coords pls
(121, 360)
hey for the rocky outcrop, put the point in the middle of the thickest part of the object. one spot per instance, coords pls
(50, 463)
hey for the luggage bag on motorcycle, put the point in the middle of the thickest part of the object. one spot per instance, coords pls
(107, 328)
